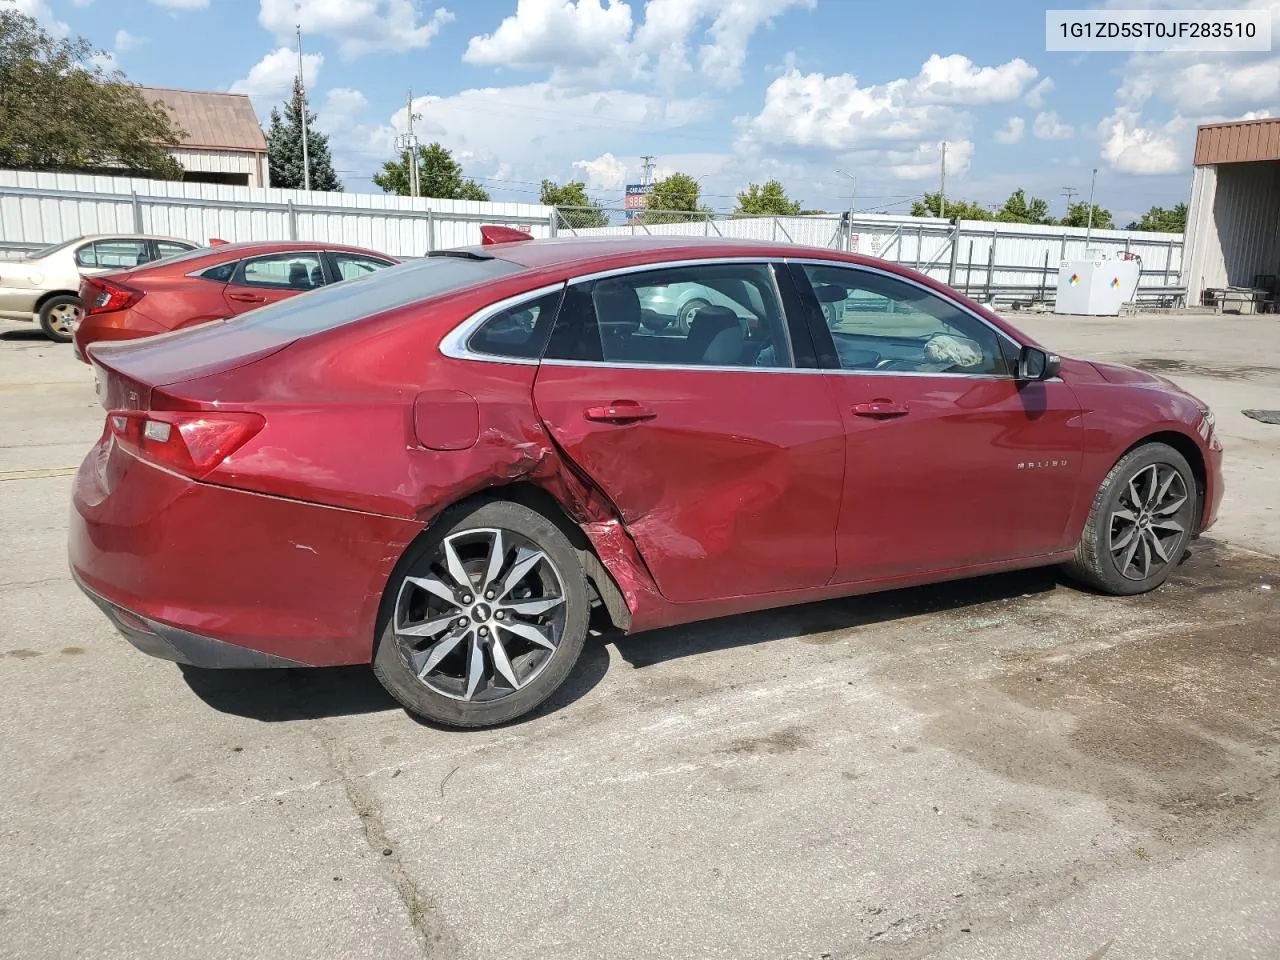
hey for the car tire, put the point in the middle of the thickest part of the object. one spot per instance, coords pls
(430, 670)
(1140, 523)
(54, 314)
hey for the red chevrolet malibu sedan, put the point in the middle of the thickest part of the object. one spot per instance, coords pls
(443, 467)
(212, 283)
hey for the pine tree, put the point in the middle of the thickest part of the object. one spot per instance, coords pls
(284, 148)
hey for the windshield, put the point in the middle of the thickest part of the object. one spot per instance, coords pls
(397, 286)
(45, 251)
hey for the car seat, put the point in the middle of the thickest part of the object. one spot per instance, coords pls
(618, 315)
(715, 338)
(317, 276)
(299, 276)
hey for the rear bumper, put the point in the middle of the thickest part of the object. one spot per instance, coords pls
(95, 329)
(214, 576)
(169, 643)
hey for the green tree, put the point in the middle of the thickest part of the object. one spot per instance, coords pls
(675, 198)
(61, 111)
(956, 209)
(284, 147)
(1018, 209)
(769, 199)
(439, 175)
(1078, 216)
(1160, 220)
(576, 209)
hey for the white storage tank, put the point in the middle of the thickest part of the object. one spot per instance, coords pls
(1098, 286)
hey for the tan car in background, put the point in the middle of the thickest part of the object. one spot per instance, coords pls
(45, 286)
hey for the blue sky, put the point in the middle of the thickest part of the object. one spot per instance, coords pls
(730, 91)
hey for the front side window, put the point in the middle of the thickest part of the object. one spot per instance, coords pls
(287, 271)
(711, 315)
(352, 265)
(113, 254)
(878, 322)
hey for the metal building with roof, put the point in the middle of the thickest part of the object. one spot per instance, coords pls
(223, 141)
(1232, 245)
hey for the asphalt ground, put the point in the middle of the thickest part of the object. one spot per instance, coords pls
(1005, 767)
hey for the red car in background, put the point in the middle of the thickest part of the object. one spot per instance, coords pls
(212, 283)
(443, 467)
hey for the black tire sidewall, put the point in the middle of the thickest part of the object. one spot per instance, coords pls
(46, 318)
(399, 679)
(1105, 570)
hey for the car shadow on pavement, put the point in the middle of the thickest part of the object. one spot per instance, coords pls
(845, 613)
(315, 693)
(26, 336)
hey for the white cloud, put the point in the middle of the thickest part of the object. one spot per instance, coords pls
(957, 79)
(81, 3)
(1035, 96)
(1012, 131)
(1047, 126)
(126, 41)
(39, 10)
(605, 172)
(599, 41)
(1131, 148)
(925, 160)
(837, 113)
(182, 4)
(271, 79)
(554, 33)
(341, 107)
(358, 26)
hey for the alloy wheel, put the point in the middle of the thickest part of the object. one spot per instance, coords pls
(486, 618)
(62, 317)
(1147, 529)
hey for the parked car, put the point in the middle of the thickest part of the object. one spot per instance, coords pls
(675, 305)
(211, 284)
(45, 285)
(443, 467)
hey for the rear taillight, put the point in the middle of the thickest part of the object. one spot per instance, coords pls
(99, 295)
(190, 443)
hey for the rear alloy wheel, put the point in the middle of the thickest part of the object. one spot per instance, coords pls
(488, 619)
(1140, 523)
(57, 315)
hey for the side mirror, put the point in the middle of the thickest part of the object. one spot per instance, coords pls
(1035, 364)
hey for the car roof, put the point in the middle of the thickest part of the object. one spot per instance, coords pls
(128, 235)
(284, 246)
(585, 254)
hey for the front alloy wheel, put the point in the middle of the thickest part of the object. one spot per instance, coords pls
(1142, 517)
(1145, 531)
(488, 618)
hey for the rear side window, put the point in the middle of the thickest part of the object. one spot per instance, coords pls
(340, 303)
(351, 265)
(167, 248)
(708, 315)
(288, 271)
(520, 331)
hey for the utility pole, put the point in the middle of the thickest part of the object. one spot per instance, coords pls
(409, 144)
(306, 150)
(1088, 230)
(646, 170)
(1069, 192)
(942, 187)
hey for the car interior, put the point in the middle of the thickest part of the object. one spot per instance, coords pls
(881, 323)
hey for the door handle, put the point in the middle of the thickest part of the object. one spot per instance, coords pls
(247, 297)
(620, 411)
(880, 409)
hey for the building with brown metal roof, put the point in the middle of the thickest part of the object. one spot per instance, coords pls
(1232, 243)
(223, 141)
